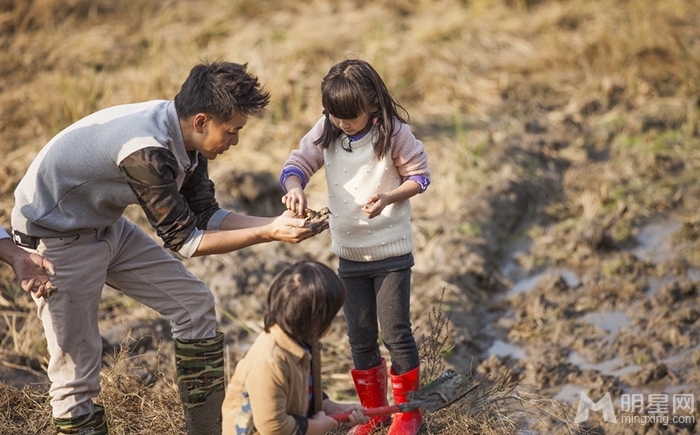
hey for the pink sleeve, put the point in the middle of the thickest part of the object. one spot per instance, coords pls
(409, 153)
(308, 158)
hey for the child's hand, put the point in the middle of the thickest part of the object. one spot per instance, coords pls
(357, 417)
(355, 410)
(375, 204)
(320, 424)
(295, 200)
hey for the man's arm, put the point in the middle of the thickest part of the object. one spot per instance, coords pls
(181, 217)
(240, 231)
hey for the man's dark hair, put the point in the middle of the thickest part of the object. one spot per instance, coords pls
(221, 89)
(303, 300)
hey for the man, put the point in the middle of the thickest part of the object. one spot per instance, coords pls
(31, 269)
(69, 206)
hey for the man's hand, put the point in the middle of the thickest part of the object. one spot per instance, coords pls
(287, 228)
(33, 271)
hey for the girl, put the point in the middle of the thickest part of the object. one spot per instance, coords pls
(373, 166)
(269, 392)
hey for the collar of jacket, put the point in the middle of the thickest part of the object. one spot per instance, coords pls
(288, 343)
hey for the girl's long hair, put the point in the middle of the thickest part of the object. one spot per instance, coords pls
(352, 87)
(303, 300)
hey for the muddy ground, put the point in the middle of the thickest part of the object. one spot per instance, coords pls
(569, 305)
(560, 235)
(567, 308)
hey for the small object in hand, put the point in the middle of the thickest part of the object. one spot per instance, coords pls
(50, 291)
(316, 220)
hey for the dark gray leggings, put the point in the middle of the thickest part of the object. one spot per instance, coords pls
(380, 290)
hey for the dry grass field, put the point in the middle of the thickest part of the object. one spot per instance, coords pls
(563, 138)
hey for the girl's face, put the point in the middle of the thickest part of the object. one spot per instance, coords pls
(352, 127)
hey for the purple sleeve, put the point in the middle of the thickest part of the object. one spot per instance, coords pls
(422, 180)
(291, 170)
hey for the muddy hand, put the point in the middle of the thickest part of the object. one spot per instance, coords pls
(290, 229)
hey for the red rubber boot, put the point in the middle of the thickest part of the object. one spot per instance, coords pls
(371, 389)
(405, 423)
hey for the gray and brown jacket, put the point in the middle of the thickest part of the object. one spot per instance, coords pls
(89, 173)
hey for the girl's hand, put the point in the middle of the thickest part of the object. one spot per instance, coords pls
(295, 200)
(375, 204)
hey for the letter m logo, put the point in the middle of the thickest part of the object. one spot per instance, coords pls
(605, 404)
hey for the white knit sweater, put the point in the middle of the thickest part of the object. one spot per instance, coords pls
(352, 178)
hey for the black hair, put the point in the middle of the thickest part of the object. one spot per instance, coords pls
(352, 87)
(220, 90)
(303, 300)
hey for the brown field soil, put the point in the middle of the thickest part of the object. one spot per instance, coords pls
(557, 248)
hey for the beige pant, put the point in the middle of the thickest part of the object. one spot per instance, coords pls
(125, 258)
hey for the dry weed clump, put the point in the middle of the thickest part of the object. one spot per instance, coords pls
(134, 404)
(433, 345)
(139, 405)
(25, 411)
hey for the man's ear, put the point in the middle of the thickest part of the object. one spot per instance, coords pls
(199, 122)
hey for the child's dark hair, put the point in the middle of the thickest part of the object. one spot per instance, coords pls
(220, 89)
(303, 300)
(352, 87)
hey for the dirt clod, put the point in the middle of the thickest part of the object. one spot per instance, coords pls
(316, 220)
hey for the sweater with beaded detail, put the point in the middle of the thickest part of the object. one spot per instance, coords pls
(352, 177)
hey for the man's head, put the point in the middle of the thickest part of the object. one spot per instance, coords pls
(214, 104)
(219, 90)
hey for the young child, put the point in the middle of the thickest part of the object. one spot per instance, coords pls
(373, 165)
(270, 390)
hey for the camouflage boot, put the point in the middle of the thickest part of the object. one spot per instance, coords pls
(88, 424)
(200, 376)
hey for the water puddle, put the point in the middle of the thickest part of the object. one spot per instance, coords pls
(502, 350)
(570, 393)
(528, 283)
(681, 356)
(654, 244)
(524, 284)
(509, 267)
(614, 367)
(656, 283)
(611, 321)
